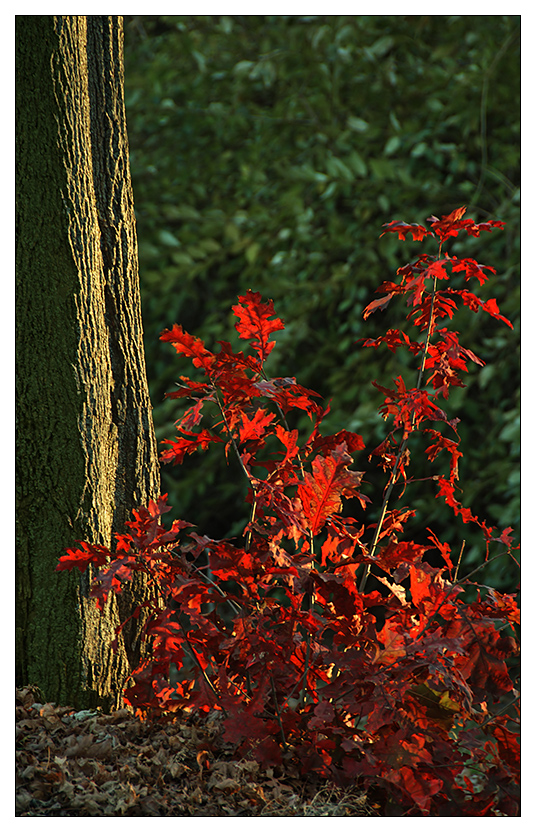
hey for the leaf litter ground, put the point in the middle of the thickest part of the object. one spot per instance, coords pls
(90, 764)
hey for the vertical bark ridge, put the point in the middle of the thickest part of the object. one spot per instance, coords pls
(85, 444)
(137, 478)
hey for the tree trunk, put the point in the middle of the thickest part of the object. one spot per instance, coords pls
(86, 451)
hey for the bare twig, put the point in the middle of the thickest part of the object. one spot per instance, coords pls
(459, 560)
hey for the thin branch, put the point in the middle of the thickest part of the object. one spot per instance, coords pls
(459, 560)
(238, 610)
(459, 583)
(306, 671)
(207, 680)
(403, 445)
(482, 565)
(302, 469)
(277, 712)
(240, 460)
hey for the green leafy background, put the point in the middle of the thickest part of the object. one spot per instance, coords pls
(266, 153)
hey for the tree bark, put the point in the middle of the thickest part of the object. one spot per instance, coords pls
(85, 446)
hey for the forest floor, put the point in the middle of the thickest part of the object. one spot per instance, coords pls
(89, 764)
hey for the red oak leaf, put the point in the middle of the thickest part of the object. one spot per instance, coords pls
(321, 492)
(428, 590)
(471, 269)
(112, 578)
(482, 662)
(475, 230)
(442, 443)
(353, 442)
(81, 558)
(419, 785)
(392, 636)
(340, 592)
(393, 339)
(435, 269)
(190, 389)
(397, 553)
(381, 303)
(509, 747)
(474, 303)
(160, 507)
(492, 308)
(446, 490)
(254, 324)
(450, 225)
(182, 446)
(289, 440)
(186, 344)
(255, 428)
(444, 548)
(409, 407)
(418, 232)
(288, 395)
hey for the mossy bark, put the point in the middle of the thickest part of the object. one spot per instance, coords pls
(85, 445)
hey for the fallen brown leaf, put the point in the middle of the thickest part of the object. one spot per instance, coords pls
(91, 764)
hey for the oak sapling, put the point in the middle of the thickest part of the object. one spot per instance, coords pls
(279, 630)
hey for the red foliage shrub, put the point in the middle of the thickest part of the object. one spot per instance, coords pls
(406, 686)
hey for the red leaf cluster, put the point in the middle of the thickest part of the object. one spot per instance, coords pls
(407, 686)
